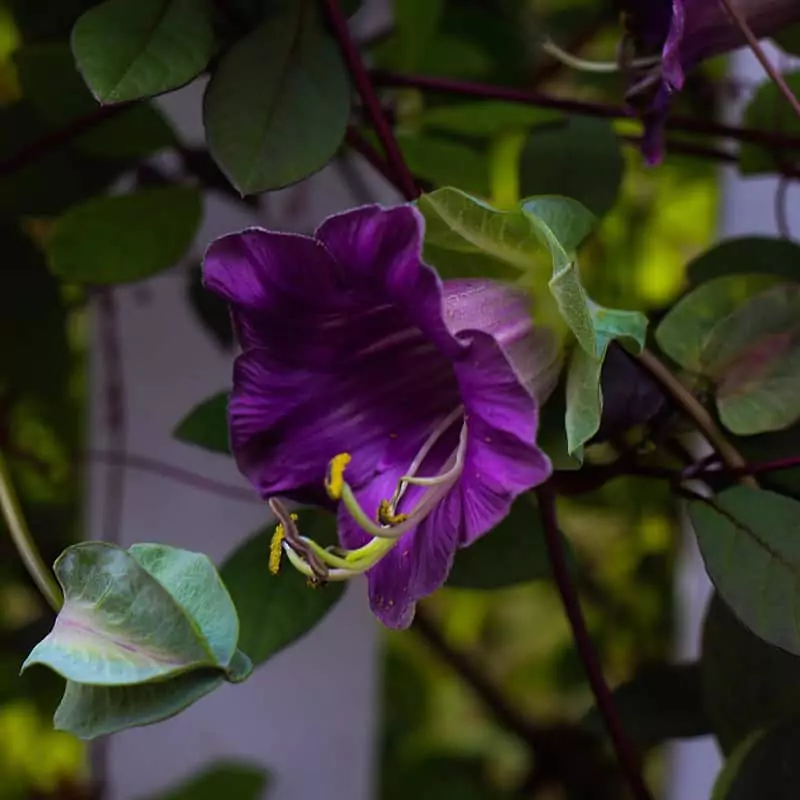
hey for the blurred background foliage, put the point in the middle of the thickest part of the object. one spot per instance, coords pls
(439, 739)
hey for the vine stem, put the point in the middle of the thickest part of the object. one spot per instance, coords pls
(23, 541)
(489, 91)
(758, 51)
(626, 754)
(369, 97)
(699, 415)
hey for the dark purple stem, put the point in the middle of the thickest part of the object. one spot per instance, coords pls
(489, 91)
(626, 754)
(146, 464)
(369, 97)
(59, 138)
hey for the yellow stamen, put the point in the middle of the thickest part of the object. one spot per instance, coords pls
(276, 549)
(334, 480)
(387, 516)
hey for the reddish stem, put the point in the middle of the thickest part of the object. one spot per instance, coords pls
(488, 91)
(369, 97)
(626, 754)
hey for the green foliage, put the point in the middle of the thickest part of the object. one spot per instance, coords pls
(132, 623)
(770, 111)
(749, 541)
(486, 118)
(56, 91)
(747, 683)
(661, 702)
(237, 780)
(277, 106)
(753, 359)
(206, 425)
(465, 236)
(763, 766)
(580, 159)
(128, 49)
(514, 552)
(275, 610)
(747, 255)
(101, 240)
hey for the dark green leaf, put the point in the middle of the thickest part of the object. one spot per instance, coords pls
(55, 89)
(747, 683)
(54, 180)
(33, 323)
(234, 780)
(277, 107)
(88, 711)
(43, 20)
(275, 610)
(750, 542)
(753, 358)
(442, 777)
(211, 310)
(661, 702)
(580, 159)
(683, 332)
(102, 240)
(206, 425)
(513, 553)
(486, 118)
(764, 766)
(747, 255)
(773, 447)
(769, 111)
(127, 49)
(789, 39)
(415, 25)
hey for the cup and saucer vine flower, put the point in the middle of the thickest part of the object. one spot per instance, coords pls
(671, 36)
(365, 384)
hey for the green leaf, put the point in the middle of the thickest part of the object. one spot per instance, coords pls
(236, 780)
(753, 358)
(442, 777)
(415, 26)
(43, 20)
(769, 111)
(128, 49)
(466, 237)
(442, 162)
(789, 39)
(661, 702)
(774, 447)
(206, 425)
(88, 711)
(512, 553)
(764, 766)
(580, 159)
(57, 92)
(747, 683)
(750, 544)
(488, 118)
(277, 107)
(683, 332)
(747, 255)
(123, 624)
(101, 241)
(275, 610)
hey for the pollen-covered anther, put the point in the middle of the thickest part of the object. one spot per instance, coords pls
(387, 516)
(276, 549)
(334, 480)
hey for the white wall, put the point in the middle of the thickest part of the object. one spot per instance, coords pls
(308, 715)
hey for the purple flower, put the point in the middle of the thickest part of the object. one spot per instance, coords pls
(416, 398)
(682, 33)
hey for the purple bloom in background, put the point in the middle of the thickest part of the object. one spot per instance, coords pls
(683, 33)
(351, 345)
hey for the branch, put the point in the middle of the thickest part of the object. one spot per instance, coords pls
(758, 51)
(369, 97)
(626, 754)
(489, 91)
(695, 410)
